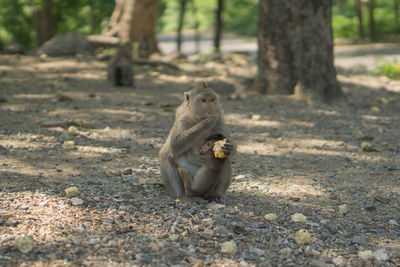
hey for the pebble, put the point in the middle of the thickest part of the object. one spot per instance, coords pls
(270, 217)
(317, 263)
(229, 247)
(25, 244)
(343, 209)
(76, 201)
(365, 255)
(381, 255)
(393, 222)
(298, 217)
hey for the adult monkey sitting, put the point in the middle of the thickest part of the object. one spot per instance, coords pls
(197, 118)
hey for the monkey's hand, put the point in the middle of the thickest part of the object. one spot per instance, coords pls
(227, 149)
(208, 122)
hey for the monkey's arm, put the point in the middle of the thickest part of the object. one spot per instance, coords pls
(180, 143)
(199, 160)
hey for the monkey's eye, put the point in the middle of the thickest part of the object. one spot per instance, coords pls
(212, 100)
(203, 100)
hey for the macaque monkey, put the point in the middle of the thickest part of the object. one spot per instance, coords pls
(198, 117)
(208, 172)
(120, 71)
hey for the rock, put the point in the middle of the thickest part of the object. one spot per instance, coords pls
(317, 263)
(298, 217)
(367, 147)
(64, 45)
(72, 191)
(381, 255)
(127, 171)
(112, 173)
(270, 217)
(302, 237)
(339, 261)
(25, 244)
(285, 252)
(343, 209)
(365, 255)
(257, 251)
(382, 200)
(76, 201)
(229, 247)
(393, 222)
(13, 49)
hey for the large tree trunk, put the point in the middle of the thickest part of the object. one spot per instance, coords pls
(218, 25)
(135, 21)
(181, 19)
(371, 8)
(396, 12)
(296, 49)
(360, 19)
(45, 23)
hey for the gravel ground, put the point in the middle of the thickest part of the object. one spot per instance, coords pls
(63, 126)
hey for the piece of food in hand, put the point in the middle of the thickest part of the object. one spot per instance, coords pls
(218, 148)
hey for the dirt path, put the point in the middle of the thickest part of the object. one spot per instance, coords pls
(292, 158)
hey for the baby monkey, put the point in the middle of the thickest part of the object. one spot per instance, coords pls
(208, 171)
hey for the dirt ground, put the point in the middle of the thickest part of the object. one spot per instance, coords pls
(292, 158)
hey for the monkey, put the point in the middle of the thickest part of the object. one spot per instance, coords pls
(209, 172)
(120, 71)
(198, 117)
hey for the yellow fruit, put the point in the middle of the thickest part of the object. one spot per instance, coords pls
(72, 191)
(218, 152)
(25, 244)
(302, 237)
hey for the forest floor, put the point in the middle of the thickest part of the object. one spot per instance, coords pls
(292, 158)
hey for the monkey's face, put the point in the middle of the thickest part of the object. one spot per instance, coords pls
(207, 147)
(205, 105)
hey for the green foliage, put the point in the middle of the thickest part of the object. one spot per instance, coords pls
(86, 17)
(344, 27)
(391, 70)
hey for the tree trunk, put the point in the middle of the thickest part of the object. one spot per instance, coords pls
(181, 18)
(296, 49)
(45, 23)
(218, 25)
(135, 21)
(396, 12)
(371, 8)
(360, 19)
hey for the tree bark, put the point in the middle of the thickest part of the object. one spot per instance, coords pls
(181, 19)
(45, 23)
(360, 19)
(396, 12)
(135, 21)
(218, 25)
(296, 49)
(371, 8)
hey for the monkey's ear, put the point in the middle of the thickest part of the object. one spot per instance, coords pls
(187, 97)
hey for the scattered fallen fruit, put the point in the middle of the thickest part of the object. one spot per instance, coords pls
(271, 217)
(381, 100)
(256, 117)
(72, 191)
(302, 237)
(25, 244)
(68, 145)
(76, 201)
(343, 209)
(298, 217)
(375, 109)
(365, 255)
(218, 152)
(229, 247)
(72, 131)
